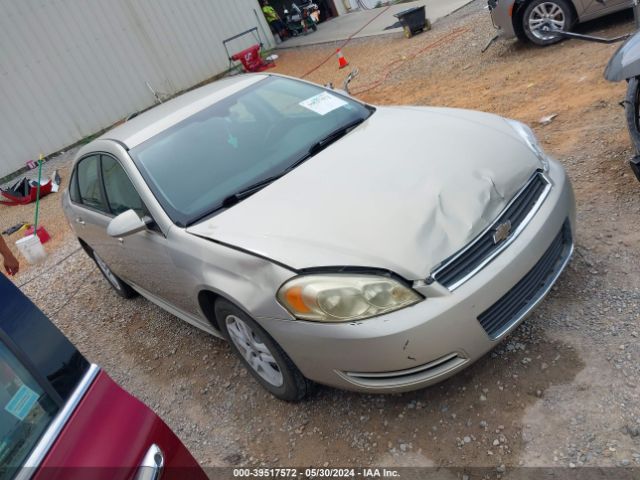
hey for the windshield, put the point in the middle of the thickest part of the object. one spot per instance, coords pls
(252, 135)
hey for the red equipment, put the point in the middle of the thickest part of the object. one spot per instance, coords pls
(24, 192)
(251, 59)
(42, 233)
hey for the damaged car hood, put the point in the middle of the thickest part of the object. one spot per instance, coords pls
(403, 191)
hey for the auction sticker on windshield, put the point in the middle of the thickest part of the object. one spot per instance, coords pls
(323, 103)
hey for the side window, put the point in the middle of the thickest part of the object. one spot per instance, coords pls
(74, 193)
(121, 195)
(26, 410)
(89, 183)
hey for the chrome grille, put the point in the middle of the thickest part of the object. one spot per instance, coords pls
(460, 266)
(528, 291)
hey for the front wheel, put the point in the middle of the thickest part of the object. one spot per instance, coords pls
(551, 14)
(260, 354)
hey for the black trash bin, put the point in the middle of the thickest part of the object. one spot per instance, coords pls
(413, 20)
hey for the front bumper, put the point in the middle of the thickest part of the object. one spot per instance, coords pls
(430, 341)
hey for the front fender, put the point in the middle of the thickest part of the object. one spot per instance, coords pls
(625, 63)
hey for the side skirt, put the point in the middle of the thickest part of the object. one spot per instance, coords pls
(190, 319)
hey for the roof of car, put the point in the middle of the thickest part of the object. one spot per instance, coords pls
(165, 115)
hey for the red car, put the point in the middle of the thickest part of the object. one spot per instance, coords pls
(61, 417)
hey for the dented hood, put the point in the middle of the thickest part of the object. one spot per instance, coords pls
(403, 191)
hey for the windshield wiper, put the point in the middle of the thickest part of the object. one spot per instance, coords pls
(250, 190)
(231, 200)
(333, 136)
(322, 144)
(236, 197)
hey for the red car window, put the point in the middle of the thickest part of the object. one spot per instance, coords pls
(25, 412)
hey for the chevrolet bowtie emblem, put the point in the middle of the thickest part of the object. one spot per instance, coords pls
(502, 232)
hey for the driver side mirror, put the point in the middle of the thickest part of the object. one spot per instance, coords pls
(127, 223)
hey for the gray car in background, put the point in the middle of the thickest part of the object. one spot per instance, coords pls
(372, 249)
(525, 19)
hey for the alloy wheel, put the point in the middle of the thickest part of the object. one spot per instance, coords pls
(548, 14)
(254, 351)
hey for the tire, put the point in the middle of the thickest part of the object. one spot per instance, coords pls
(273, 369)
(557, 13)
(120, 287)
(314, 27)
(632, 112)
(518, 28)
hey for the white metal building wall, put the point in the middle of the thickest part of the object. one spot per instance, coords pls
(69, 68)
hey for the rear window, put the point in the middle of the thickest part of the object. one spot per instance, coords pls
(74, 193)
(88, 172)
(26, 410)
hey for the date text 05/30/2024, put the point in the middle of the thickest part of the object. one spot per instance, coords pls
(364, 473)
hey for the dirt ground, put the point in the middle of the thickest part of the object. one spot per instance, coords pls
(562, 390)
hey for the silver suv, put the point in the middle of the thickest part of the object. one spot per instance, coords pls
(525, 19)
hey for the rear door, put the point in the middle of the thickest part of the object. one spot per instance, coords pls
(113, 436)
(91, 213)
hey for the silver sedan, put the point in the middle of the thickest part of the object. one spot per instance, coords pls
(378, 249)
(531, 20)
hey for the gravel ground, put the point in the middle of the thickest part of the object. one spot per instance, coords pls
(50, 216)
(562, 390)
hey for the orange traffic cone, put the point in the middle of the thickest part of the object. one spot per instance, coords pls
(342, 62)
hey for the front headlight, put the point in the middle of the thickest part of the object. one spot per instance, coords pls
(343, 298)
(532, 142)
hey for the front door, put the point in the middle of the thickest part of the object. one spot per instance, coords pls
(143, 259)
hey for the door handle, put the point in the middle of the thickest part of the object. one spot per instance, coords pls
(80, 221)
(152, 464)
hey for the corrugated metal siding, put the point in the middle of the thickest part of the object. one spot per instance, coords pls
(69, 68)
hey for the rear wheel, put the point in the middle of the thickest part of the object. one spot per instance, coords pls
(121, 288)
(260, 354)
(546, 14)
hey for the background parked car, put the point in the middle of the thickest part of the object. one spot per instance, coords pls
(523, 19)
(61, 417)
